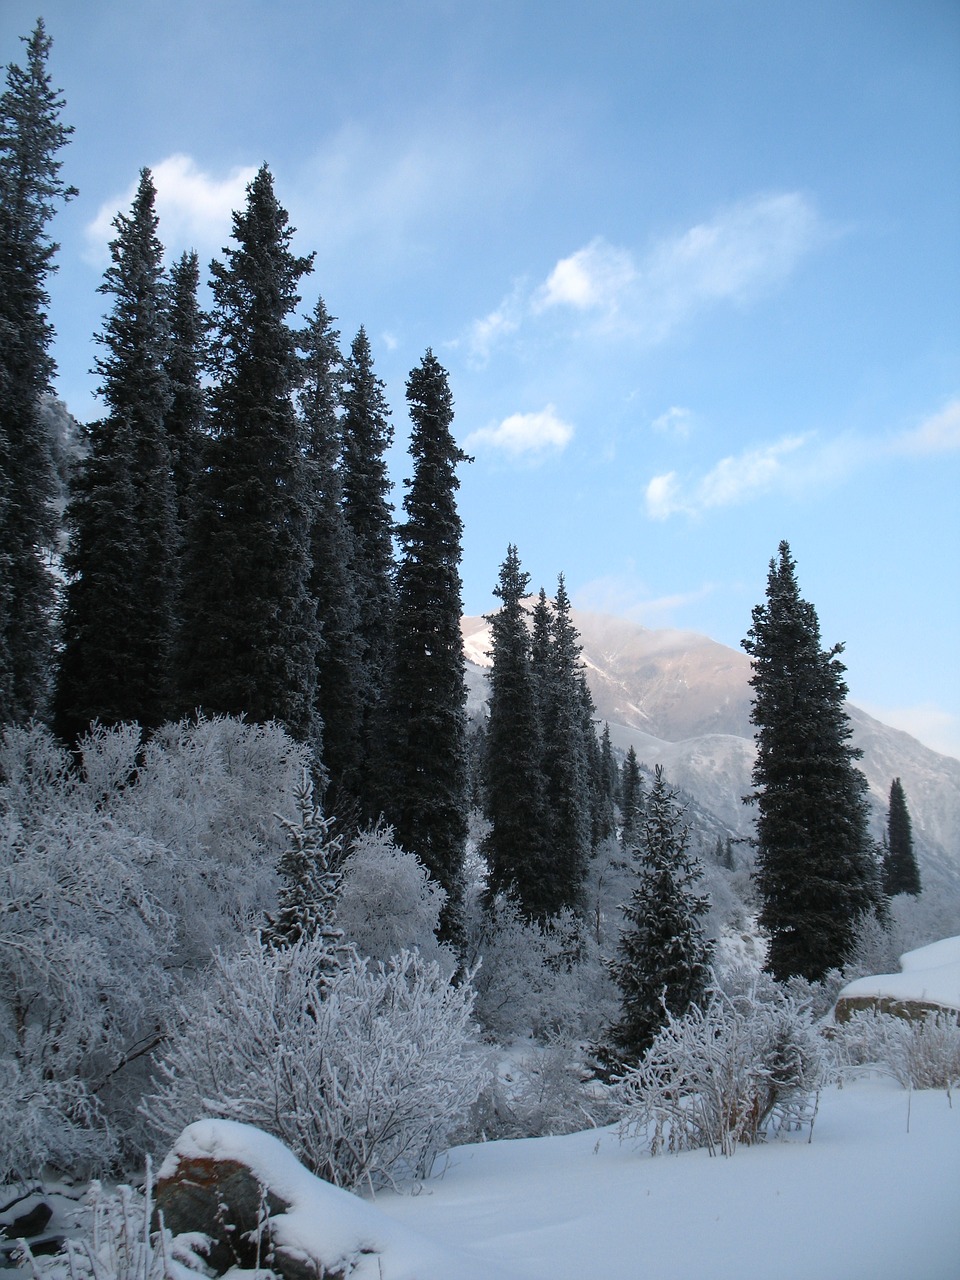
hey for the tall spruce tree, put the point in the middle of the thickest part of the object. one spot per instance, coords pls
(121, 600)
(187, 361)
(367, 434)
(900, 871)
(565, 709)
(631, 800)
(250, 633)
(516, 848)
(816, 873)
(31, 135)
(663, 958)
(427, 726)
(331, 550)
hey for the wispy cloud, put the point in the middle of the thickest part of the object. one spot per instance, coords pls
(928, 723)
(530, 436)
(743, 252)
(732, 481)
(193, 207)
(940, 433)
(675, 422)
(626, 596)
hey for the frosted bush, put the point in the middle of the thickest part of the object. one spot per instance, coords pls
(546, 978)
(47, 1122)
(733, 1072)
(921, 1053)
(389, 902)
(362, 1074)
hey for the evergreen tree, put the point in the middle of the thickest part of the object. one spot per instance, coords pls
(187, 360)
(631, 800)
(366, 436)
(900, 871)
(331, 582)
(565, 712)
(663, 959)
(428, 696)
(120, 609)
(31, 135)
(516, 850)
(250, 632)
(816, 872)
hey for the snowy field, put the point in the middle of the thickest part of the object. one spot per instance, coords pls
(874, 1196)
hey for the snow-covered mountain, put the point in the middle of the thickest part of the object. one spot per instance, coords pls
(683, 701)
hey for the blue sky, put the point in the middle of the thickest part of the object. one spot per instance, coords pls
(693, 267)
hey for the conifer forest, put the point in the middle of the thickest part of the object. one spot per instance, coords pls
(259, 860)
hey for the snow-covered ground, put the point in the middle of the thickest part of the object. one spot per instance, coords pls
(874, 1196)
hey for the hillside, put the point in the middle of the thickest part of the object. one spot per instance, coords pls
(683, 700)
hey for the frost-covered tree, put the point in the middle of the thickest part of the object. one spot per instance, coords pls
(309, 883)
(900, 871)
(663, 959)
(816, 873)
(362, 1076)
(31, 136)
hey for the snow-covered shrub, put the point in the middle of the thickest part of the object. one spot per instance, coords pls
(362, 1074)
(47, 1122)
(921, 1053)
(730, 1073)
(547, 1091)
(546, 978)
(389, 902)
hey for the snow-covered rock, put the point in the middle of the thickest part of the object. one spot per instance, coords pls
(929, 978)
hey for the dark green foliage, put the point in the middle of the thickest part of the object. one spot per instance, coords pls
(310, 884)
(663, 958)
(187, 359)
(816, 872)
(250, 627)
(120, 610)
(900, 871)
(331, 552)
(427, 725)
(366, 436)
(31, 135)
(517, 852)
(631, 800)
(565, 711)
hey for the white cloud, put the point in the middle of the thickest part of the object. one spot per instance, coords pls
(525, 435)
(733, 480)
(626, 596)
(487, 332)
(675, 422)
(195, 209)
(744, 251)
(594, 278)
(940, 433)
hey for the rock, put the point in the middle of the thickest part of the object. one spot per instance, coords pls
(224, 1201)
(30, 1224)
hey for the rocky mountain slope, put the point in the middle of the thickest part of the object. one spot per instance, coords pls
(683, 701)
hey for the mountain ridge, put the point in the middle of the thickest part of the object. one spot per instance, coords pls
(683, 700)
